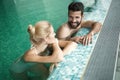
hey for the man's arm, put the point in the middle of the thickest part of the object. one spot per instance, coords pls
(95, 28)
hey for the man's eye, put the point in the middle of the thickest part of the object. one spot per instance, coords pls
(77, 17)
(70, 16)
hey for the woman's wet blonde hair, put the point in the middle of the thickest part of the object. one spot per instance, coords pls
(40, 30)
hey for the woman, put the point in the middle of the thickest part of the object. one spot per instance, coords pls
(45, 49)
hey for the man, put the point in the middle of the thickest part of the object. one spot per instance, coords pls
(75, 22)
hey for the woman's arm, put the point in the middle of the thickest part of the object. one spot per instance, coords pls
(57, 55)
(67, 46)
(31, 56)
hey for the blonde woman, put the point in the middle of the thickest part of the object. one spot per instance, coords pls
(45, 49)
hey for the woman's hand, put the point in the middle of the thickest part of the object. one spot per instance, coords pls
(52, 40)
(57, 51)
(52, 66)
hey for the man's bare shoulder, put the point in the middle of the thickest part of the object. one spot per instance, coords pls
(63, 27)
(63, 31)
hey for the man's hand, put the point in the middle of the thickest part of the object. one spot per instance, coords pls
(77, 39)
(87, 39)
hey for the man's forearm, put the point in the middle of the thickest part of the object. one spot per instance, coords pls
(96, 27)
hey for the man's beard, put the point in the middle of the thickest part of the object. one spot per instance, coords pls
(71, 24)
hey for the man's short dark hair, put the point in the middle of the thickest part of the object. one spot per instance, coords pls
(76, 6)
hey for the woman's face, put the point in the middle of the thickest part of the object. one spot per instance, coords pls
(52, 33)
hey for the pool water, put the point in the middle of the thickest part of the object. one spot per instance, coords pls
(15, 16)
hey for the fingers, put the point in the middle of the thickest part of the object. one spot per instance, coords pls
(87, 40)
(51, 67)
(81, 39)
(78, 39)
(56, 64)
(84, 40)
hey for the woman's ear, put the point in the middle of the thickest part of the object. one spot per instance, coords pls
(46, 39)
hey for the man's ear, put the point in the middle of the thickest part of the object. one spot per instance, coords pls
(82, 16)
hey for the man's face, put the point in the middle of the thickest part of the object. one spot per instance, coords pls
(74, 19)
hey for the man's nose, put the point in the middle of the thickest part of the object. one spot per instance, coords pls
(73, 20)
